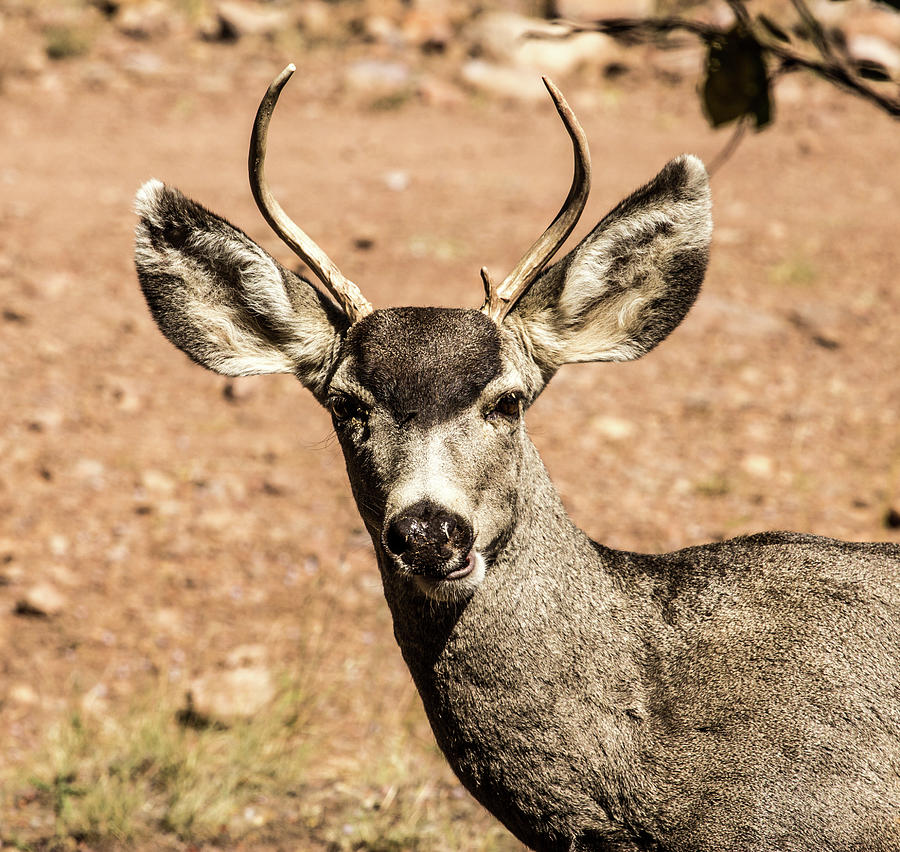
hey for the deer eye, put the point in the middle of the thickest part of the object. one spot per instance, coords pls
(508, 407)
(345, 407)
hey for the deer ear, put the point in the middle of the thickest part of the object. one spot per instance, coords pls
(630, 281)
(224, 301)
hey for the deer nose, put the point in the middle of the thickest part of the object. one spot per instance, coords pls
(431, 540)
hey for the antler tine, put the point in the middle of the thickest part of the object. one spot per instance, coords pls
(345, 292)
(499, 300)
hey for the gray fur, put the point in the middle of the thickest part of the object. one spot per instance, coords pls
(224, 301)
(735, 696)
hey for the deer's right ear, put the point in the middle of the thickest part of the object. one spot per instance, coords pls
(224, 301)
(629, 282)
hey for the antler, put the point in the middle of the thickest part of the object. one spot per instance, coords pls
(499, 301)
(345, 292)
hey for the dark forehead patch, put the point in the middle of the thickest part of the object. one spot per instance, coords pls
(425, 363)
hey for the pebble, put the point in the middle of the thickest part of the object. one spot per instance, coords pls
(41, 599)
(396, 180)
(502, 81)
(316, 19)
(594, 10)
(244, 19)
(228, 696)
(614, 428)
(148, 20)
(510, 38)
(439, 93)
(158, 483)
(757, 465)
(23, 693)
(378, 76)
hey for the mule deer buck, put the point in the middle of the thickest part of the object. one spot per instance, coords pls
(742, 695)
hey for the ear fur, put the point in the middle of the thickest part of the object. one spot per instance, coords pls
(630, 282)
(224, 301)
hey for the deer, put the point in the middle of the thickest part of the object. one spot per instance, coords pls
(737, 695)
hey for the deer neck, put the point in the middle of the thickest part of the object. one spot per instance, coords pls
(548, 612)
(542, 554)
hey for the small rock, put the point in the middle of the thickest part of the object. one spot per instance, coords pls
(499, 35)
(396, 180)
(316, 20)
(613, 427)
(58, 544)
(11, 573)
(563, 55)
(221, 520)
(124, 395)
(96, 700)
(169, 620)
(42, 600)
(512, 83)
(439, 93)
(239, 389)
(142, 63)
(64, 575)
(594, 10)
(427, 27)
(892, 518)
(378, 77)
(231, 695)
(757, 465)
(158, 483)
(149, 20)
(383, 30)
(23, 693)
(364, 237)
(54, 285)
(507, 37)
(32, 62)
(46, 420)
(245, 19)
(90, 471)
(99, 75)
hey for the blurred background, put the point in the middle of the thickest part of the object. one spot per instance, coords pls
(194, 647)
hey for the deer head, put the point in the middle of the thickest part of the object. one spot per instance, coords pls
(428, 403)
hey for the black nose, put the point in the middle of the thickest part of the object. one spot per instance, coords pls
(430, 540)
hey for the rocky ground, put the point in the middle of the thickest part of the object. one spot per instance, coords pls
(165, 532)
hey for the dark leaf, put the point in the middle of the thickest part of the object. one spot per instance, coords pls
(737, 82)
(872, 70)
(773, 29)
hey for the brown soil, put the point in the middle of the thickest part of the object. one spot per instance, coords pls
(180, 516)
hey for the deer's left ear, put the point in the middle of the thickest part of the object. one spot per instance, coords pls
(630, 281)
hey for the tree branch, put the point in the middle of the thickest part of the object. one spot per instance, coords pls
(830, 66)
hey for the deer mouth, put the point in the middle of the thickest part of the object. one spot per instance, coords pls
(464, 570)
(450, 571)
(457, 585)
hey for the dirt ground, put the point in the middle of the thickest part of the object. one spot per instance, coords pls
(156, 519)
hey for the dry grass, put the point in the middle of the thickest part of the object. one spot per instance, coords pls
(146, 774)
(122, 777)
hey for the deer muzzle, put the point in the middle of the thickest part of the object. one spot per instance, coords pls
(431, 541)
